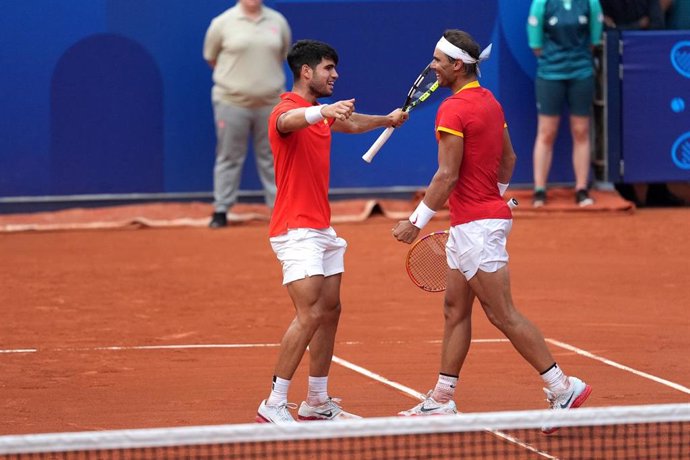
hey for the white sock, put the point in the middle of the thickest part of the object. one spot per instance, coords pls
(555, 380)
(279, 391)
(318, 391)
(445, 388)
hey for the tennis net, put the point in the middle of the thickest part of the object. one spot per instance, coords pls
(628, 432)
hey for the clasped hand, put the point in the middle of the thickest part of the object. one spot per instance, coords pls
(341, 110)
(397, 117)
(405, 232)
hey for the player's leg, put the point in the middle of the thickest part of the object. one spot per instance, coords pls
(305, 294)
(491, 284)
(493, 291)
(309, 309)
(232, 136)
(318, 404)
(300, 253)
(263, 153)
(457, 335)
(323, 341)
(457, 327)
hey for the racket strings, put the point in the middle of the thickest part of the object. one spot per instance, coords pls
(426, 262)
(424, 85)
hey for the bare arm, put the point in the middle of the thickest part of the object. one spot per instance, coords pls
(450, 152)
(360, 123)
(507, 165)
(294, 119)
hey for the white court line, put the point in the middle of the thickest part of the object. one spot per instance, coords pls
(144, 347)
(20, 350)
(557, 343)
(645, 375)
(208, 346)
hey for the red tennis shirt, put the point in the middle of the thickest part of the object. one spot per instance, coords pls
(302, 168)
(474, 114)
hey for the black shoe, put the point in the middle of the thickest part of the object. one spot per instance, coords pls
(539, 198)
(218, 220)
(582, 198)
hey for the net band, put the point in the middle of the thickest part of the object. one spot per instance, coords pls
(372, 427)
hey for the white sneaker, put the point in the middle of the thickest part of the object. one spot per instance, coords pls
(330, 410)
(431, 407)
(279, 414)
(575, 396)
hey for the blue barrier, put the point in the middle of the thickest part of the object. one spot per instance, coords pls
(113, 96)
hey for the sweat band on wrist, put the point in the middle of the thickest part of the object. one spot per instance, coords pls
(502, 188)
(422, 215)
(313, 114)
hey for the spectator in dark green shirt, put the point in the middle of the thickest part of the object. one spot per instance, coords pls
(562, 34)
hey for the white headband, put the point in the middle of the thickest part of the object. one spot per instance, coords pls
(458, 53)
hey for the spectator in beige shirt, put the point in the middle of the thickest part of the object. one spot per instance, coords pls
(245, 46)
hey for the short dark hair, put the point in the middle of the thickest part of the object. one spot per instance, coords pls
(310, 52)
(463, 40)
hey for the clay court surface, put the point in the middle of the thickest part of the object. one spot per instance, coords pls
(123, 328)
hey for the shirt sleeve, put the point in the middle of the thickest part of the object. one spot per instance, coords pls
(535, 29)
(596, 21)
(449, 119)
(212, 41)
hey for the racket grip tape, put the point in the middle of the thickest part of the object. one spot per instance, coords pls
(376, 146)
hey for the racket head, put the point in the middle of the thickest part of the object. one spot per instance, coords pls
(421, 89)
(426, 262)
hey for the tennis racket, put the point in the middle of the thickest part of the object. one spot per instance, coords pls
(426, 260)
(421, 89)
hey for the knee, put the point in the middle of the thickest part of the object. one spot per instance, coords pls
(503, 322)
(580, 133)
(453, 313)
(333, 311)
(326, 313)
(546, 136)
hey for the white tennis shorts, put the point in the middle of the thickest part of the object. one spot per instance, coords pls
(478, 245)
(305, 252)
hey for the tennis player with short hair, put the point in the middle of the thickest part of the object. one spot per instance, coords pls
(476, 161)
(311, 254)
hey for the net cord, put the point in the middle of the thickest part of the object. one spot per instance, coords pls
(381, 426)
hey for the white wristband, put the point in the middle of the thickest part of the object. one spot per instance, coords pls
(502, 188)
(313, 114)
(422, 215)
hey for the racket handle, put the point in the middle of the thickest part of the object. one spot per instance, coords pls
(512, 203)
(376, 146)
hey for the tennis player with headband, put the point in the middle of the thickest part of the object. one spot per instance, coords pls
(475, 164)
(310, 252)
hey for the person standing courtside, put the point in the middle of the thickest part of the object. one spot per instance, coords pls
(562, 34)
(475, 164)
(310, 252)
(245, 46)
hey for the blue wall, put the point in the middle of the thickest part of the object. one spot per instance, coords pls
(656, 106)
(113, 96)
